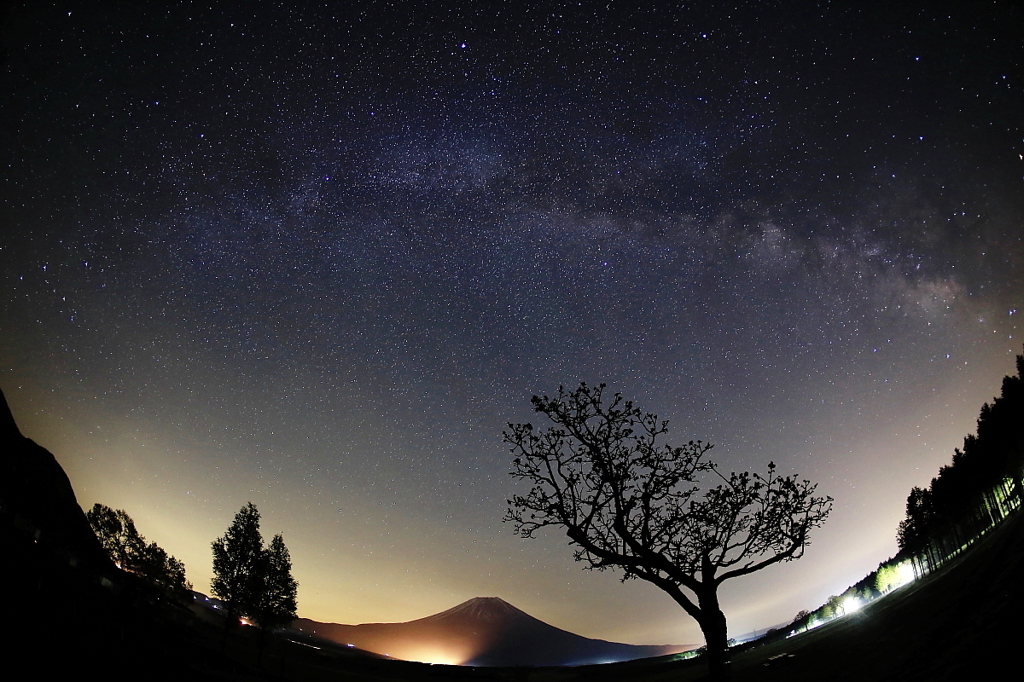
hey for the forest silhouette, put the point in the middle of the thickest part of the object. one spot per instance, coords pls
(977, 490)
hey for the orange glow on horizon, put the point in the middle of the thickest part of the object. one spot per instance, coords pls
(455, 654)
(436, 656)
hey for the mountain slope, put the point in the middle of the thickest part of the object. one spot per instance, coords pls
(37, 494)
(484, 631)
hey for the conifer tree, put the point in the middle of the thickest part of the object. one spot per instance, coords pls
(237, 556)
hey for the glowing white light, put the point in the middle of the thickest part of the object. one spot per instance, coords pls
(851, 604)
(905, 573)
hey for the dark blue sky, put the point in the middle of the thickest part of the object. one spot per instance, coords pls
(317, 257)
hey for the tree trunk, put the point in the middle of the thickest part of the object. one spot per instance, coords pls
(716, 637)
(231, 618)
(1018, 487)
(263, 638)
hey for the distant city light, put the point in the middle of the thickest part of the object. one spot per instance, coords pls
(436, 655)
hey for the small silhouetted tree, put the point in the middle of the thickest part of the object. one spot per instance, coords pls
(128, 549)
(913, 530)
(801, 621)
(164, 571)
(628, 501)
(237, 555)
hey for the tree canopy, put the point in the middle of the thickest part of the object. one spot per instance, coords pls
(254, 581)
(128, 549)
(116, 532)
(236, 559)
(274, 587)
(626, 500)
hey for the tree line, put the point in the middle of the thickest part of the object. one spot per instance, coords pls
(977, 489)
(975, 492)
(254, 581)
(130, 552)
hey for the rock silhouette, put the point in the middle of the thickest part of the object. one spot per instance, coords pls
(38, 495)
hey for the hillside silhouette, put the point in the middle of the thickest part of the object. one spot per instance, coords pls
(76, 613)
(484, 631)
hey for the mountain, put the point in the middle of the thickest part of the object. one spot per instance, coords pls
(484, 631)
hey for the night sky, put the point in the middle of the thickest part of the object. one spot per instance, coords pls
(317, 255)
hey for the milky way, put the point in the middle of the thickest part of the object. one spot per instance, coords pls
(317, 258)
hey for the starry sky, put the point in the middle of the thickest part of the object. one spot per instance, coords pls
(317, 255)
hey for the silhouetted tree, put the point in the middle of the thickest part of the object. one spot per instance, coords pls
(274, 589)
(128, 549)
(627, 501)
(913, 530)
(254, 581)
(116, 532)
(237, 556)
(164, 571)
